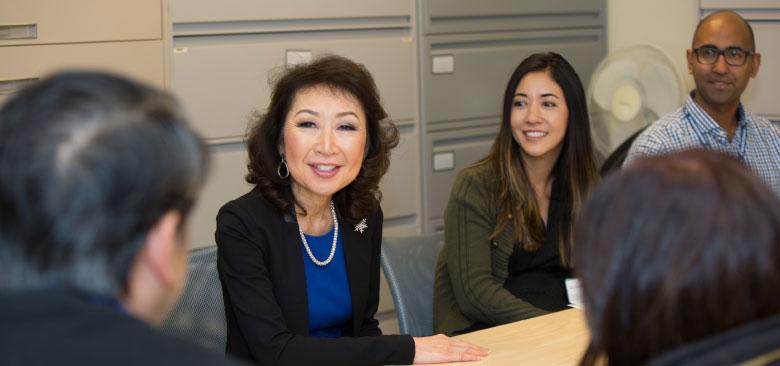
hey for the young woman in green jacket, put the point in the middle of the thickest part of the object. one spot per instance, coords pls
(510, 217)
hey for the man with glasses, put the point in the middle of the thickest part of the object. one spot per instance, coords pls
(722, 59)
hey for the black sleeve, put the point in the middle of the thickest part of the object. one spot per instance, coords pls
(243, 253)
(370, 326)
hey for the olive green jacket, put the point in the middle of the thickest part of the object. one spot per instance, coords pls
(471, 269)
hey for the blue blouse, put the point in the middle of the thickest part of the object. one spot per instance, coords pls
(327, 287)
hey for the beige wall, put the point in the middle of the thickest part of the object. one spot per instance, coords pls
(664, 24)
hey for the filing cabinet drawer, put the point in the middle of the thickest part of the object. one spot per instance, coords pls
(485, 62)
(400, 186)
(75, 21)
(185, 11)
(141, 60)
(462, 16)
(761, 94)
(225, 183)
(461, 148)
(222, 81)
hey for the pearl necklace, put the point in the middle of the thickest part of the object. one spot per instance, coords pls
(333, 246)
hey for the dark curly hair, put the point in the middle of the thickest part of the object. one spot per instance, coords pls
(362, 196)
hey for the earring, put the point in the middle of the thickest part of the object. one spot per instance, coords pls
(286, 169)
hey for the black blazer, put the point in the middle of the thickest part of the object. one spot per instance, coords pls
(62, 327)
(261, 268)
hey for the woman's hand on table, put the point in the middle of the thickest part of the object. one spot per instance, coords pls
(440, 348)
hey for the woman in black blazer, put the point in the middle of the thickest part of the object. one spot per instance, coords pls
(298, 256)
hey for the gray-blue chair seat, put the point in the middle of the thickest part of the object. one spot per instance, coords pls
(200, 316)
(409, 264)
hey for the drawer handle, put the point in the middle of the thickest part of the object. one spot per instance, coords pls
(8, 87)
(20, 31)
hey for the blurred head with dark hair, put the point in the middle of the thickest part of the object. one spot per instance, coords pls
(673, 249)
(326, 122)
(99, 174)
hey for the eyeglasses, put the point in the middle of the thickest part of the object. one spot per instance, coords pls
(734, 56)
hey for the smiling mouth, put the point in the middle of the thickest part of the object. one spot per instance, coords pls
(535, 134)
(324, 170)
(720, 84)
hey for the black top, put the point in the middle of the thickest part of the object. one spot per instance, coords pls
(260, 264)
(59, 326)
(538, 277)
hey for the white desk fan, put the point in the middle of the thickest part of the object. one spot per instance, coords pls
(630, 89)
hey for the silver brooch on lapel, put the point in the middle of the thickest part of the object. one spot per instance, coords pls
(361, 226)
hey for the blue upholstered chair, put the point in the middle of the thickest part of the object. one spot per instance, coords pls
(409, 264)
(200, 316)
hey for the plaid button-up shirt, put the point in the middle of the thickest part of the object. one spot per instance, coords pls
(756, 141)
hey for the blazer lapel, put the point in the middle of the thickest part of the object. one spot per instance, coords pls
(357, 255)
(295, 275)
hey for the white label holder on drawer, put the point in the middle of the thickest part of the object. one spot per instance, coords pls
(296, 57)
(18, 31)
(8, 87)
(443, 64)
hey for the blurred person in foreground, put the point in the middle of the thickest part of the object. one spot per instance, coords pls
(98, 176)
(679, 255)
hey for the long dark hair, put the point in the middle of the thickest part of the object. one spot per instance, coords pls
(673, 249)
(362, 196)
(575, 167)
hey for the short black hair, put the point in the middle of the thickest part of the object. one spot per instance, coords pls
(90, 161)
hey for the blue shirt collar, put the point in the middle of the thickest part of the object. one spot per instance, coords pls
(703, 123)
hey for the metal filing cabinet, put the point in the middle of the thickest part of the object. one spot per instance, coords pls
(468, 50)
(38, 37)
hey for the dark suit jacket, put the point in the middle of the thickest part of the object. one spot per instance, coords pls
(62, 327)
(261, 267)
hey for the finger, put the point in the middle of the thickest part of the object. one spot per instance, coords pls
(469, 357)
(479, 351)
(482, 349)
(472, 346)
(476, 349)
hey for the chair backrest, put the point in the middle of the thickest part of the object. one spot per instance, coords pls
(409, 264)
(200, 316)
(615, 160)
(757, 343)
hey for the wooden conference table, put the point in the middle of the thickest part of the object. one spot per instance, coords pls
(554, 339)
